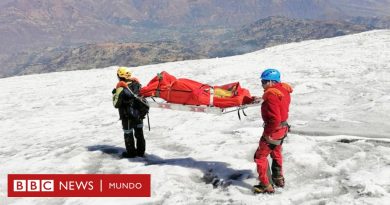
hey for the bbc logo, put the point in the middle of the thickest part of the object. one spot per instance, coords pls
(34, 185)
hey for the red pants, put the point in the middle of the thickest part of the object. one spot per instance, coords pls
(261, 160)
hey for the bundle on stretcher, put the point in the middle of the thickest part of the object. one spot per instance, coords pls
(189, 92)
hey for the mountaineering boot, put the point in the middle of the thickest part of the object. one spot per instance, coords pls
(278, 181)
(127, 155)
(262, 189)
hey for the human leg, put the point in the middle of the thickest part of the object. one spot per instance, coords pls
(261, 160)
(277, 164)
(129, 139)
(139, 135)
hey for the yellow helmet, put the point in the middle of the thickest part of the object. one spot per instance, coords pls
(124, 72)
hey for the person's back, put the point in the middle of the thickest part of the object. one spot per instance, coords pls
(285, 101)
(139, 106)
(134, 85)
(275, 108)
(125, 98)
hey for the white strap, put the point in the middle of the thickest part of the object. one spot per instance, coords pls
(211, 96)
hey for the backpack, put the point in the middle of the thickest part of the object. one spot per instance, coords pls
(141, 108)
(116, 94)
(140, 105)
(115, 97)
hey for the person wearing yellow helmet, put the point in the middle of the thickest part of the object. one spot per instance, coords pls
(124, 72)
(126, 100)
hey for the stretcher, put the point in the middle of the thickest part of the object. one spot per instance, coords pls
(160, 103)
(168, 92)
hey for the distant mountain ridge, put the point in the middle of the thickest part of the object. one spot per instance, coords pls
(101, 55)
(33, 32)
(273, 31)
(263, 33)
(30, 23)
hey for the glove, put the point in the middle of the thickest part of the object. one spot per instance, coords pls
(256, 99)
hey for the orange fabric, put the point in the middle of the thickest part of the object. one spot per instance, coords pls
(261, 160)
(122, 84)
(274, 109)
(272, 91)
(287, 87)
(190, 92)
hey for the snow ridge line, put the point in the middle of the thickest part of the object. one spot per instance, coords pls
(342, 135)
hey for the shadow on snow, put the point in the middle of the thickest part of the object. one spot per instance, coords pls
(212, 170)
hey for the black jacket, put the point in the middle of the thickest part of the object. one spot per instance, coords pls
(127, 107)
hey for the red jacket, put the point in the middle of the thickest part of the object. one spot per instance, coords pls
(274, 110)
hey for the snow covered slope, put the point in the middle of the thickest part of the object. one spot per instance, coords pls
(65, 123)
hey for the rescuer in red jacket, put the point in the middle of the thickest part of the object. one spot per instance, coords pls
(274, 111)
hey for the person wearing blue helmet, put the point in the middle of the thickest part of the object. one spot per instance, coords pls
(274, 111)
(270, 74)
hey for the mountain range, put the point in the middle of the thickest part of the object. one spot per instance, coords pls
(338, 150)
(29, 29)
(266, 32)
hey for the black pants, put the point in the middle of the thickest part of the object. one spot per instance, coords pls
(131, 129)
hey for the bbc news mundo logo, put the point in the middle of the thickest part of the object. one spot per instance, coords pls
(79, 185)
(33, 185)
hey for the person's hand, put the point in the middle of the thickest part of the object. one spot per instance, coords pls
(256, 99)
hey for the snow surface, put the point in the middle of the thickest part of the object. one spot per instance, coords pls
(338, 152)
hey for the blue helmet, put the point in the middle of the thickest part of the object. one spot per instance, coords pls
(271, 74)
